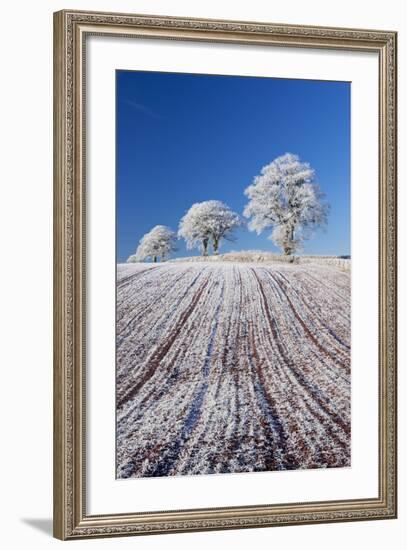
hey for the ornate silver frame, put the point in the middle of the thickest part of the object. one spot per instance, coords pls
(70, 31)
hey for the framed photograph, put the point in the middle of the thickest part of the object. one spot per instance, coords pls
(225, 274)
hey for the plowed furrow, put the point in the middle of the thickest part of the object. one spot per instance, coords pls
(226, 368)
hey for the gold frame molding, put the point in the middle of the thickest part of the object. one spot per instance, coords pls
(70, 31)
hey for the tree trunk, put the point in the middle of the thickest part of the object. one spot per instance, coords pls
(154, 259)
(215, 246)
(289, 247)
(205, 247)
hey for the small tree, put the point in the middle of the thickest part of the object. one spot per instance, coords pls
(205, 221)
(157, 243)
(193, 229)
(132, 259)
(285, 198)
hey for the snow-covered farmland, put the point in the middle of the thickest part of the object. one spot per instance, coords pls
(232, 367)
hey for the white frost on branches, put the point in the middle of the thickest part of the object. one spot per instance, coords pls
(285, 198)
(157, 243)
(208, 221)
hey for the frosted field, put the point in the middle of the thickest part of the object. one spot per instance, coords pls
(226, 367)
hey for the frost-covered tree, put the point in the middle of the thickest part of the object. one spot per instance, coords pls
(157, 243)
(208, 221)
(286, 199)
(132, 259)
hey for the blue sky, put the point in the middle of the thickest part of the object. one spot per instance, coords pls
(184, 138)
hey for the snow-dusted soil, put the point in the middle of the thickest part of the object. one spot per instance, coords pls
(232, 368)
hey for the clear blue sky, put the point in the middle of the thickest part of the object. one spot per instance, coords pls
(185, 138)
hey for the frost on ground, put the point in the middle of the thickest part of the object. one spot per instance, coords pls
(227, 367)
